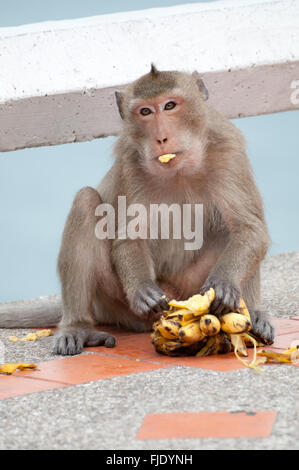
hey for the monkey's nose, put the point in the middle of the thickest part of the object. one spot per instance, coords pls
(162, 141)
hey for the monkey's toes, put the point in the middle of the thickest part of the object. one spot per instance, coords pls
(262, 329)
(68, 344)
(99, 338)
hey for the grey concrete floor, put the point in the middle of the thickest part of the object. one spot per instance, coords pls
(107, 414)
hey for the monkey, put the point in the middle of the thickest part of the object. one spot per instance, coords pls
(128, 281)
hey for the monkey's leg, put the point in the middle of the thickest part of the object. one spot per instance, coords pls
(262, 328)
(77, 266)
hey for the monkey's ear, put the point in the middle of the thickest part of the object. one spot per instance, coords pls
(201, 85)
(154, 70)
(119, 101)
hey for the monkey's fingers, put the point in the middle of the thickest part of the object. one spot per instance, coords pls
(149, 301)
(227, 297)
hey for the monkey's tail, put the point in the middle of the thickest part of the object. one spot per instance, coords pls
(41, 312)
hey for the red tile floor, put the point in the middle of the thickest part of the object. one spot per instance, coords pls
(134, 353)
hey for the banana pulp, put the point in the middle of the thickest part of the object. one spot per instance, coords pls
(189, 328)
(166, 157)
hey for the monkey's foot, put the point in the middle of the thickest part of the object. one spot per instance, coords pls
(71, 341)
(262, 329)
(227, 296)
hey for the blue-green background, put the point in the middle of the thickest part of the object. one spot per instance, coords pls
(37, 185)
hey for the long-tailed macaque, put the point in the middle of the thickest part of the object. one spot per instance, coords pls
(128, 281)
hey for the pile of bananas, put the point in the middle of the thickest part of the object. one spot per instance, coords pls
(189, 329)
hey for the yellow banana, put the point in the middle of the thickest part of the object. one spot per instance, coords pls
(158, 339)
(243, 309)
(197, 304)
(209, 325)
(235, 323)
(191, 333)
(215, 345)
(181, 314)
(169, 328)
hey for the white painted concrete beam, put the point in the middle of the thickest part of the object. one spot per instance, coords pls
(57, 79)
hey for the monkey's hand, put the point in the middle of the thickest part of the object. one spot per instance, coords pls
(227, 296)
(71, 340)
(149, 301)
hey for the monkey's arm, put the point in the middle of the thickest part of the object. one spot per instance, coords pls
(241, 208)
(135, 268)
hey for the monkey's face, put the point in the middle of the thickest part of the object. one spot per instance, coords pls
(167, 125)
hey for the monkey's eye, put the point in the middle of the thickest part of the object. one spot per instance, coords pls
(170, 105)
(145, 111)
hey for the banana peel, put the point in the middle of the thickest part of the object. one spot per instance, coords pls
(197, 304)
(32, 336)
(10, 368)
(288, 356)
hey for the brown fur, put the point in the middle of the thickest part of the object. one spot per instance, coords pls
(123, 281)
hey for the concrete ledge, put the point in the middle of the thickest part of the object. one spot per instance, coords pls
(57, 79)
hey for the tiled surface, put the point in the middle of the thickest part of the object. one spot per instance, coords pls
(14, 385)
(285, 325)
(220, 424)
(133, 353)
(87, 368)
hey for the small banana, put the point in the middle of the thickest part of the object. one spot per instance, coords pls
(191, 333)
(209, 325)
(169, 328)
(243, 309)
(181, 315)
(235, 323)
(215, 345)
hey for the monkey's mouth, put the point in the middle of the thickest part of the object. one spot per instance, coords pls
(168, 159)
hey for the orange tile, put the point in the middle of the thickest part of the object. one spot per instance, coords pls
(284, 325)
(12, 386)
(136, 346)
(113, 330)
(139, 347)
(220, 424)
(284, 341)
(81, 369)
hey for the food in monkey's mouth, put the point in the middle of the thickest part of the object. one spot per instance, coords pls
(166, 157)
(189, 329)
